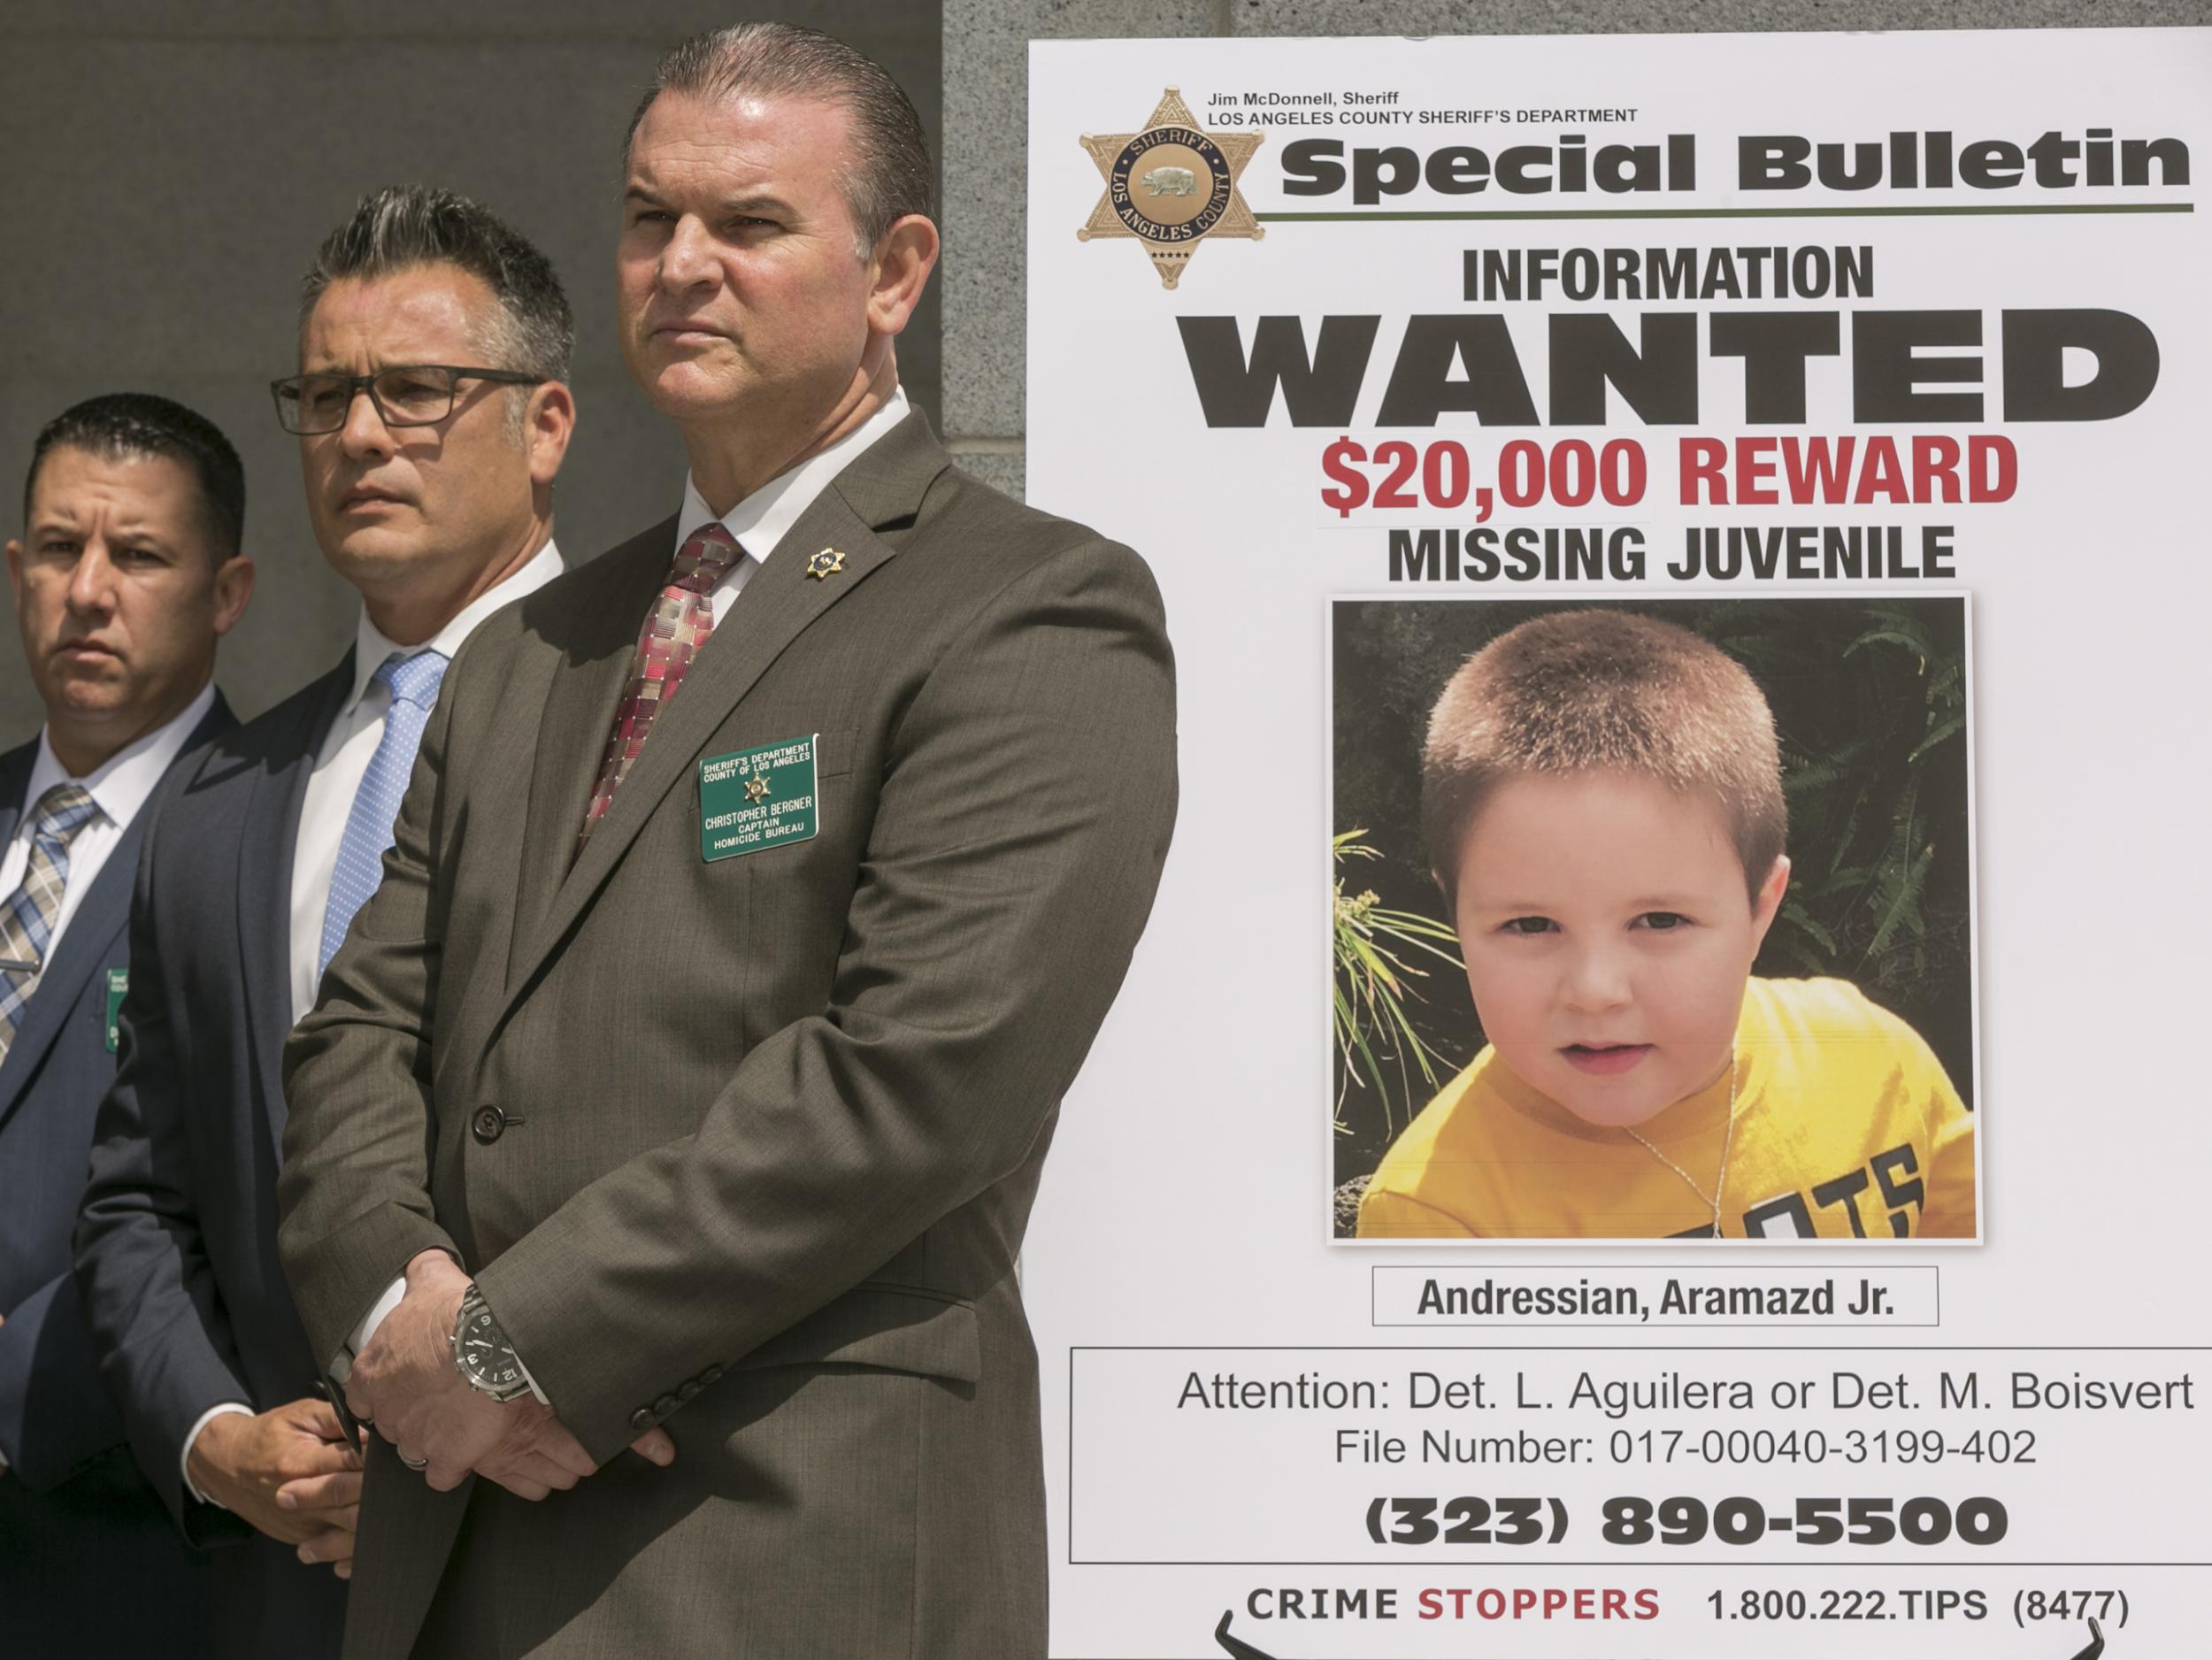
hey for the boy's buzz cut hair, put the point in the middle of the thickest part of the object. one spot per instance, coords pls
(1584, 691)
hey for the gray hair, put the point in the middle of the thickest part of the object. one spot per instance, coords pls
(404, 225)
(888, 174)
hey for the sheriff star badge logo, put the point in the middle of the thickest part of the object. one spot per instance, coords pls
(1171, 186)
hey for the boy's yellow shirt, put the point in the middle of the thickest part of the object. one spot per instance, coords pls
(1846, 1127)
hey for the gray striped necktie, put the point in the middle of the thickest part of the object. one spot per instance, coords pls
(27, 917)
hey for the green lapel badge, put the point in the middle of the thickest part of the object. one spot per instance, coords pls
(826, 565)
(751, 800)
(118, 982)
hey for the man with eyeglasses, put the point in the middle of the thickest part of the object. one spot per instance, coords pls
(432, 417)
(760, 890)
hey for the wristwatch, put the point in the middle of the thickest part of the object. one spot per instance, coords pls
(481, 1353)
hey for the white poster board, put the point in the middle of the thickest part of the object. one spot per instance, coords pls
(1878, 363)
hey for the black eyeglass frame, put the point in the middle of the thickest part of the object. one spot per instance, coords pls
(359, 383)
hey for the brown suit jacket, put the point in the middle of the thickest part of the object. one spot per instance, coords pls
(746, 1148)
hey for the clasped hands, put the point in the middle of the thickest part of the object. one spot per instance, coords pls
(404, 1383)
(288, 1472)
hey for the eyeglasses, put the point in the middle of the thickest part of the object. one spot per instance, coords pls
(406, 395)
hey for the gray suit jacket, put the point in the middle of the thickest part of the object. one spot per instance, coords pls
(745, 1147)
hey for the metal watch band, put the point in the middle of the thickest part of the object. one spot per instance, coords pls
(473, 1308)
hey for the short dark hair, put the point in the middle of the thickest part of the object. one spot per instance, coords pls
(404, 225)
(889, 173)
(116, 426)
(1583, 691)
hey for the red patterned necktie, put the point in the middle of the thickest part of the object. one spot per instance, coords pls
(675, 630)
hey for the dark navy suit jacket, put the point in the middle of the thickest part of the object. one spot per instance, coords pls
(176, 1242)
(77, 1520)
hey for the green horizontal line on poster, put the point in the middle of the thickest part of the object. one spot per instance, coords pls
(1727, 214)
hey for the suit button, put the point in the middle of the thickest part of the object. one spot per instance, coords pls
(642, 1419)
(688, 1390)
(712, 1374)
(488, 1126)
(666, 1404)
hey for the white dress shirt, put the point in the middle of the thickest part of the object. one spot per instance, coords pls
(120, 786)
(340, 766)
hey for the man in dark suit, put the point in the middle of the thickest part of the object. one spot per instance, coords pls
(432, 419)
(759, 890)
(127, 572)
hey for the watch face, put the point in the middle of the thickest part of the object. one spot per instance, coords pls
(486, 1355)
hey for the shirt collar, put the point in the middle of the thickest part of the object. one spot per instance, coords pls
(121, 784)
(371, 648)
(758, 522)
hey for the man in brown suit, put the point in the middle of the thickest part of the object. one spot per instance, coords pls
(693, 1067)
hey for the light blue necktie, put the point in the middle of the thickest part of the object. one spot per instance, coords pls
(413, 684)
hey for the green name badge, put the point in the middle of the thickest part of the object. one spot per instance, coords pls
(118, 982)
(756, 799)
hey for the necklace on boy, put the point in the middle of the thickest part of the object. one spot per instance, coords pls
(1720, 1177)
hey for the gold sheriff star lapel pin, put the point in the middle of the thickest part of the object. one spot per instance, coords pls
(1171, 186)
(826, 565)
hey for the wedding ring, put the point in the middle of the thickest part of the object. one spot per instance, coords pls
(414, 1463)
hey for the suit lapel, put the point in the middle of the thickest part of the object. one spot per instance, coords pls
(101, 915)
(578, 688)
(15, 777)
(777, 603)
(269, 833)
(885, 482)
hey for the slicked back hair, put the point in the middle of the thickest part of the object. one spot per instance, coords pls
(887, 175)
(136, 426)
(401, 226)
(1586, 691)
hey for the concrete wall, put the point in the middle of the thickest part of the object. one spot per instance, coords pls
(986, 94)
(169, 171)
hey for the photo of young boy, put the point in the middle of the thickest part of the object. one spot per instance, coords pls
(1602, 809)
